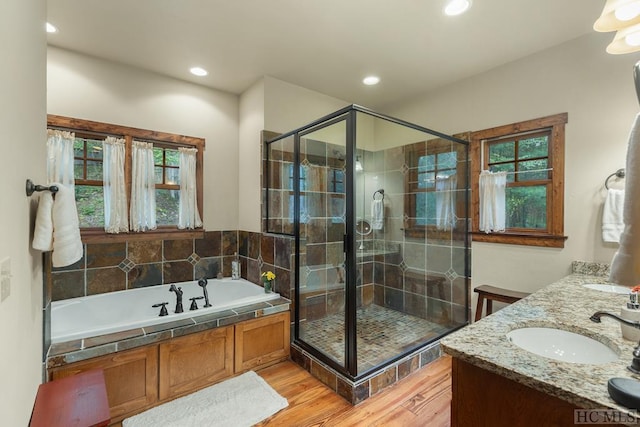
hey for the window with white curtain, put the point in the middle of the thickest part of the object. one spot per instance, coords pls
(117, 191)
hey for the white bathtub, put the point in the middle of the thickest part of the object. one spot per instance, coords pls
(101, 314)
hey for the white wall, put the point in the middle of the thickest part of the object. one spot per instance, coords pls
(597, 91)
(288, 107)
(251, 124)
(22, 119)
(93, 89)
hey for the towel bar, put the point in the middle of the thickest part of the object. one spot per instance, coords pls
(31, 188)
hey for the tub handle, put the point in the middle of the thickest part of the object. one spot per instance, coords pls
(194, 304)
(163, 310)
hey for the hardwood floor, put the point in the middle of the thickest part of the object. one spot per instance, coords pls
(421, 399)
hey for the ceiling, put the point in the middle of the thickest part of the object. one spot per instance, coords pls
(324, 45)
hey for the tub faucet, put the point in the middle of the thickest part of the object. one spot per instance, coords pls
(203, 284)
(635, 362)
(178, 292)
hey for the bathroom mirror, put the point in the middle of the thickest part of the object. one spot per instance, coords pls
(363, 227)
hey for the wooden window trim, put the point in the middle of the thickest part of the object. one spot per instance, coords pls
(88, 128)
(555, 218)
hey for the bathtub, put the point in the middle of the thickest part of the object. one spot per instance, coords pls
(111, 312)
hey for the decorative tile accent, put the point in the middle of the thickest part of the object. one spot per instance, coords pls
(193, 258)
(451, 274)
(126, 265)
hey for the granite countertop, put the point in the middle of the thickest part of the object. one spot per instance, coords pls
(567, 305)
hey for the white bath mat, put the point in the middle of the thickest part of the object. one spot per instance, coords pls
(240, 401)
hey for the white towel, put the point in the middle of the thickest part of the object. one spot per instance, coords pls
(612, 224)
(43, 233)
(377, 214)
(67, 245)
(492, 201)
(57, 227)
(625, 267)
(446, 202)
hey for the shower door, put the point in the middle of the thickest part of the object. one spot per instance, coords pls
(322, 211)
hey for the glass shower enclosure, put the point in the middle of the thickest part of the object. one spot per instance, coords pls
(378, 208)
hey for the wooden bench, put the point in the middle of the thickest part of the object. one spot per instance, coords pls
(493, 293)
(79, 400)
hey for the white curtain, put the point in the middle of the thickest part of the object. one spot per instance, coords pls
(492, 201)
(143, 190)
(115, 198)
(60, 157)
(446, 202)
(189, 216)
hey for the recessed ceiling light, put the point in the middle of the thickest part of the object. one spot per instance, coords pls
(457, 7)
(371, 80)
(198, 71)
(51, 28)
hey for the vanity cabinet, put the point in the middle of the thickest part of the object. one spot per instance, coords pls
(485, 399)
(194, 361)
(262, 341)
(147, 376)
(131, 378)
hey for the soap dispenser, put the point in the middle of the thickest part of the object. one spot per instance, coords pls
(631, 312)
(235, 267)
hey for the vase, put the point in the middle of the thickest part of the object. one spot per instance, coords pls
(268, 286)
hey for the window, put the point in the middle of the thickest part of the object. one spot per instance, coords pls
(88, 171)
(436, 172)
(87, 153)
(532, 154)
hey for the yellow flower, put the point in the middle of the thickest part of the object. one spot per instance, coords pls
(268, 276)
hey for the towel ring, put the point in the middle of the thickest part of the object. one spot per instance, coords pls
(619, 174)
(381, 192)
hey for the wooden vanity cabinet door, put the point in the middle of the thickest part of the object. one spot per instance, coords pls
(131, 378)
(262, 341)
(194, 361)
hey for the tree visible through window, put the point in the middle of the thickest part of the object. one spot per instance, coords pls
(532, 155)
(525, 158)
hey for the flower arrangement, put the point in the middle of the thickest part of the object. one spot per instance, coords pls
(267, 278)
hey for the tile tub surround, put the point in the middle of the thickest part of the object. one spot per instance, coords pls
(109, 267)
(567, 305)
(81, 349)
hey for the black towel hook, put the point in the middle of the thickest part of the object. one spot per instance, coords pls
(31, 188)
(381, 192)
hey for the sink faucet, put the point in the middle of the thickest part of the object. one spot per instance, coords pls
(635, 363)
(178, 292)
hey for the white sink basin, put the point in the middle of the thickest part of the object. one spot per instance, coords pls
(614, 289)
(562, 345)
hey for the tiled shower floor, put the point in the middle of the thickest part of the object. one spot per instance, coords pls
(382, 333)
